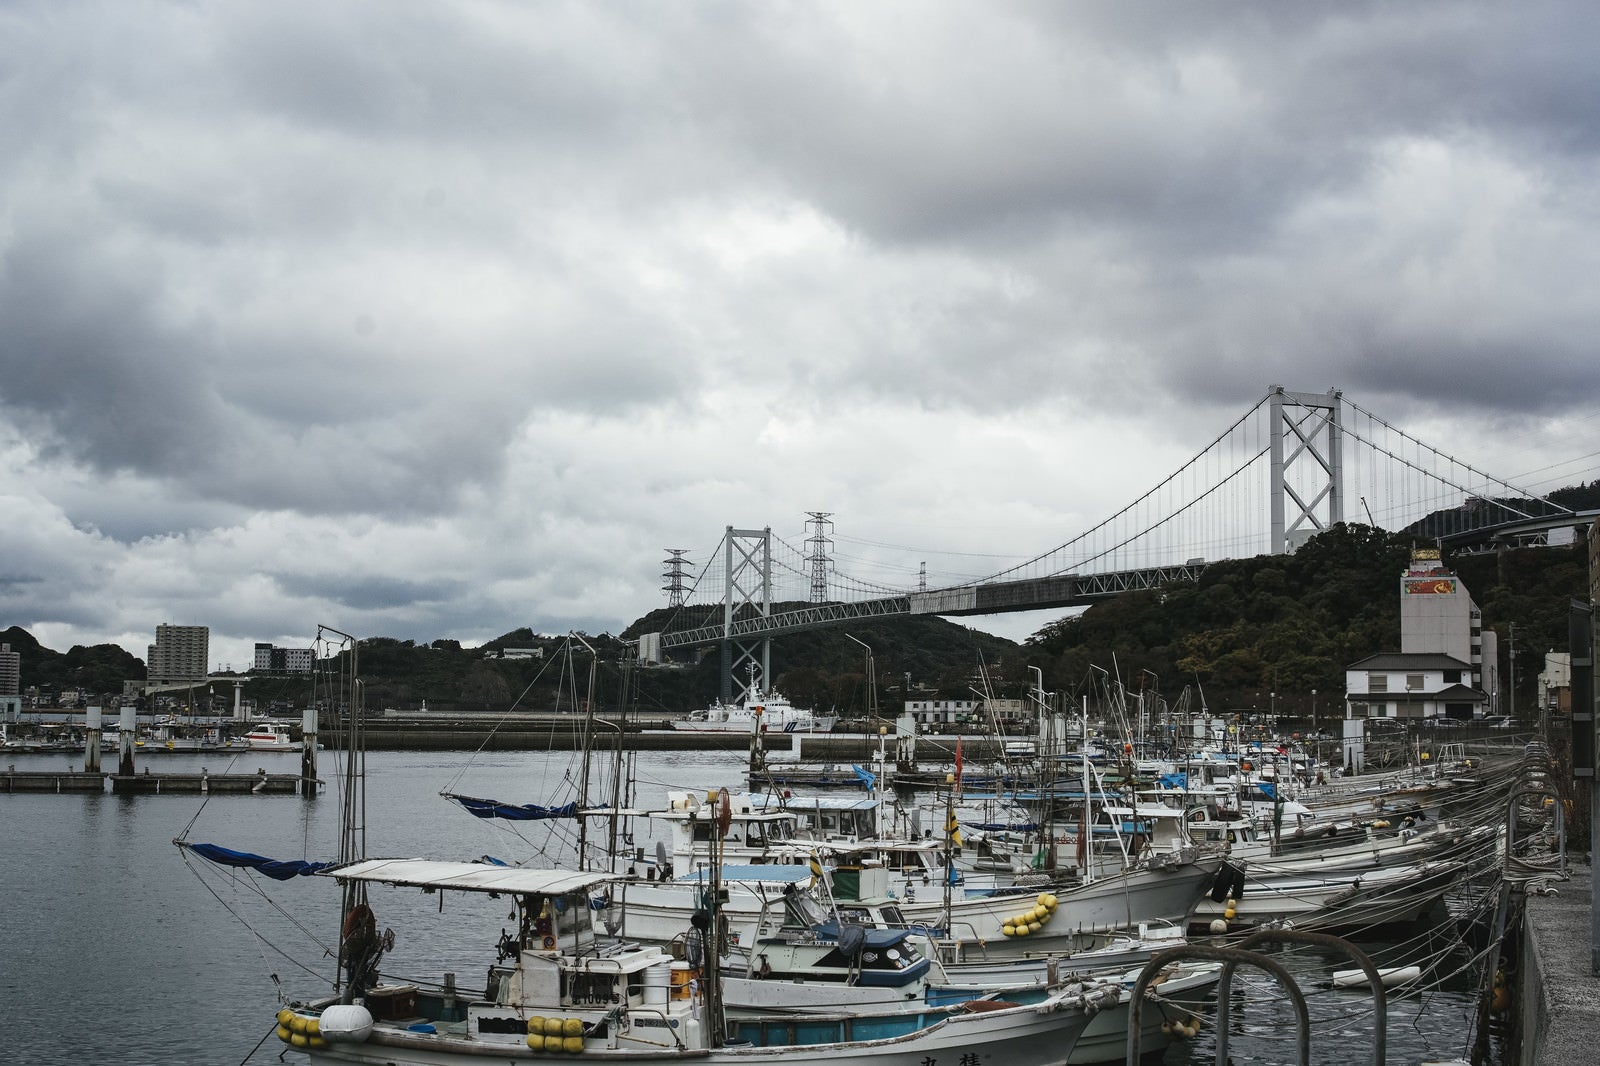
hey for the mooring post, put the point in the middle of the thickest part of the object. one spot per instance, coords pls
(127, 726)
(308, 752)
(91, 740)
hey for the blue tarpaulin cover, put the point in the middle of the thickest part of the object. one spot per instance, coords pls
(278, 870)
(513, 812)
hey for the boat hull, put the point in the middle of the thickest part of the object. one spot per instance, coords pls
(1018, 1035)
(1381, 897)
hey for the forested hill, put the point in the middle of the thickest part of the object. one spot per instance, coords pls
(99, 668)
(1248, 628)
(1292, 623)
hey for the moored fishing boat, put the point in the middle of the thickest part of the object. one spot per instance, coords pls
(563, 991)
(267, 736)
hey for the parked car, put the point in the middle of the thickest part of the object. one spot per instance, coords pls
(1497, 721)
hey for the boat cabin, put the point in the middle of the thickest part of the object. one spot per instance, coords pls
(557, 967)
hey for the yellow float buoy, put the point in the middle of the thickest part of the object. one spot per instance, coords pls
(552, 1026)
(1033, 927)
(1008, 930)
(285, 1016)
(572, 1027)
(536, 1024)
(572, 1045)
(284, 1034)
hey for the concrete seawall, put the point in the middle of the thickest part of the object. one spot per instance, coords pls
(1559, 994)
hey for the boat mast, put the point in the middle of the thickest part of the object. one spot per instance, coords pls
(588, 750)
(353, 813)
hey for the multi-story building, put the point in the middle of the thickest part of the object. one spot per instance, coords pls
(1447, 664)
(10, 671)
(1556, 682)
(272, 659)
(1437, 615)
(180, 653)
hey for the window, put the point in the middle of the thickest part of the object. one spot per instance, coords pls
(1452, 677)
(1377, 682)
(1414, 683)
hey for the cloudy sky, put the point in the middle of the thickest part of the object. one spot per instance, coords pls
(434, 319)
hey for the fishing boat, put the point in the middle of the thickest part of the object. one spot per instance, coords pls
(560, 988)
(1245, 898)
(267, 736)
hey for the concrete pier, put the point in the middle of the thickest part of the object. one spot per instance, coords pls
(1559, 993)
(148, 784)
(14, 780)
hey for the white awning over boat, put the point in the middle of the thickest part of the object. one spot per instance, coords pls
(471, 876)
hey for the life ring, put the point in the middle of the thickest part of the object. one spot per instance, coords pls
(359, 923)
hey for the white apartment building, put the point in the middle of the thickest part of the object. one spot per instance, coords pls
(272, 659)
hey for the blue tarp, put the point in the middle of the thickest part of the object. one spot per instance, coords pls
(512, 812)
(276, 869)
(869, 781)
(1180, 780)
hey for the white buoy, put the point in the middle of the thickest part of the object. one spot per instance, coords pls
(346, 1023)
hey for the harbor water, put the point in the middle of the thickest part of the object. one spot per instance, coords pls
(117, 946)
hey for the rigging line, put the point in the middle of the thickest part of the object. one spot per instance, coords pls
(263, 1040)
(501, 720)
(261, 941)
(184, 835)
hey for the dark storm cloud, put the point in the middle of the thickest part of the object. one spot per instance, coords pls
(297, 297)
(371, 593)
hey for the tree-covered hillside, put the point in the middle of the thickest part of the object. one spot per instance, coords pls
(1247, 629)
(1289, 624)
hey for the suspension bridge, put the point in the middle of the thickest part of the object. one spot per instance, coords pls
(1292, 466)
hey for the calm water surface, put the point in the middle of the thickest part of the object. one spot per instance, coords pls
(113, 949)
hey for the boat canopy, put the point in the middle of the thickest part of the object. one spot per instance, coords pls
(472, 876)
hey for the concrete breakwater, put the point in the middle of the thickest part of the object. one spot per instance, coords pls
(567, 734)
(13, 780)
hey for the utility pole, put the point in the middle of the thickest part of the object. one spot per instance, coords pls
(675, 576)
(1511, 685)
(819, 543)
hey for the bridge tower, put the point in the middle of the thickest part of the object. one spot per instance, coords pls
(747, 590)
(1310, 472)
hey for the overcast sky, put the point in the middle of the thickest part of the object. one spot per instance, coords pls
(430, 319)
